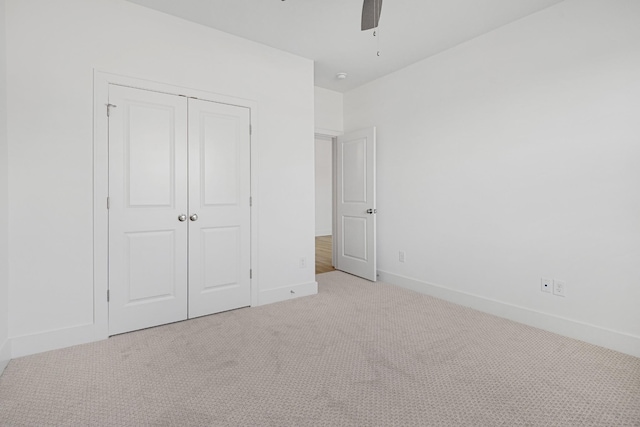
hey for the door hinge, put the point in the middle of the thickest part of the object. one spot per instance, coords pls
(250, 274)
(250, 201)
(108, 202)
(250, 130)
(107, 295)
(109, 106)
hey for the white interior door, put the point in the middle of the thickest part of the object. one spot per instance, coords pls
(219, 207)
(147, 195)
(356, 203)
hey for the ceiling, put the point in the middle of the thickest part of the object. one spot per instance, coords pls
(328, 31)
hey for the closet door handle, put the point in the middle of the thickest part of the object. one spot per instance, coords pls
(193, 217)
(182, 218)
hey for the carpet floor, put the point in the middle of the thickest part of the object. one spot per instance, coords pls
(356, 354)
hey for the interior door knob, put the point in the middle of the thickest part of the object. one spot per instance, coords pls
(193, 217)
(182, 218)
(372, 211)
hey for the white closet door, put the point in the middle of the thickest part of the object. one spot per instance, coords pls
(148, 193)
(219, 210)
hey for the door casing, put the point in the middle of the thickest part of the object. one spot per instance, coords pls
(102, 80)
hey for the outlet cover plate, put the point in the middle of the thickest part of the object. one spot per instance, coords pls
(546, 285)
(559, 288)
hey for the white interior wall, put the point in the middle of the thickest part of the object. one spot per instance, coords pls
(5, 351)
(329, 112)
(513, 157)
(53, 49)
(324, 187)
(329, 121)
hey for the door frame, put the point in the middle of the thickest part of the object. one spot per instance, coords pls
(101, 82)
(330, 135)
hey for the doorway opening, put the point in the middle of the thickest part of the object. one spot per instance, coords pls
(324, 187)
(351, 183)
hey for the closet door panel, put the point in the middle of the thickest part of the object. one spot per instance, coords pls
(147, 194)
(219, 191)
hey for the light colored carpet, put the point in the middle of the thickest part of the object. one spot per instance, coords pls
(356, 354)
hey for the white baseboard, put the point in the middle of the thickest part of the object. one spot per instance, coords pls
(53, 340)
(61, 338)
(619, 341)
(5, 355)
(57, 339)
(287, 292)
(323, 233)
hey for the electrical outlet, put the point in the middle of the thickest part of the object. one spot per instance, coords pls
(303, 262)
(401, 256)
(546, 285)
(559, 288)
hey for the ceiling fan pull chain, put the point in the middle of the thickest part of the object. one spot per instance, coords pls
(377, 29)
(375, 18)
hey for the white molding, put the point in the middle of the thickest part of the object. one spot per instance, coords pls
(255, 201)
(327, 134)
(5, 355)
(53, 340)
(102, 80)
(614, 340)
(334, 201)
(325, 232)
(100, 214)
(284, 293)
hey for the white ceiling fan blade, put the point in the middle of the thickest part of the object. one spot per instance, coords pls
(371, 14)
